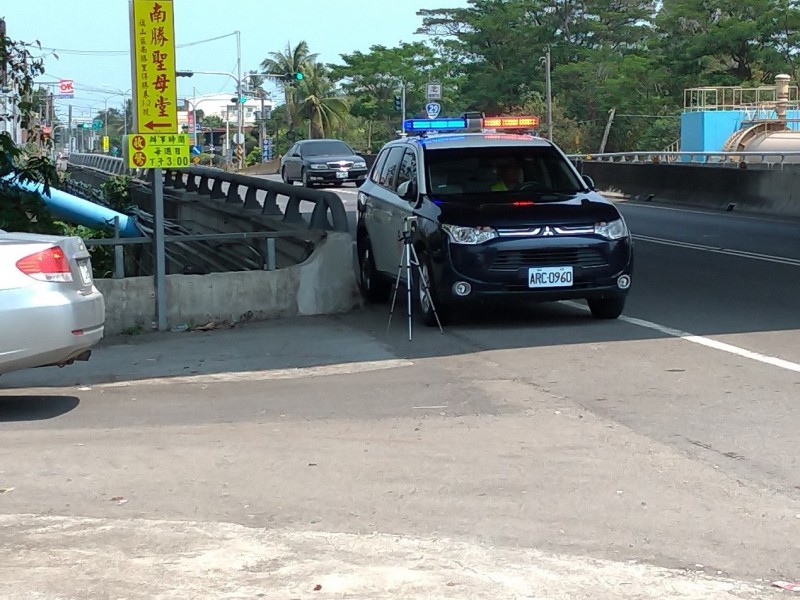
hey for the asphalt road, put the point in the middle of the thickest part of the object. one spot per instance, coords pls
(530, 453)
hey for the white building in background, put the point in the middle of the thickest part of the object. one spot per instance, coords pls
(221, 106)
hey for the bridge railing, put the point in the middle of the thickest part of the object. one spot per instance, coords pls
(244, 191)
(725, 159)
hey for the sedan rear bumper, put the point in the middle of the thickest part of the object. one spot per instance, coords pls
(48, 328)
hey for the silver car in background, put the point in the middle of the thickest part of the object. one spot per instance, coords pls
(50, 311)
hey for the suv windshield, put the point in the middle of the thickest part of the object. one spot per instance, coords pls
(486, 170)
(333, 148)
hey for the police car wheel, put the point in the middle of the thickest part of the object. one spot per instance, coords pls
(373, 287)
(606, 308)
(426, 299)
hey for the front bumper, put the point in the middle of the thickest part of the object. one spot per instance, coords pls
(332, 176)
(499, 269)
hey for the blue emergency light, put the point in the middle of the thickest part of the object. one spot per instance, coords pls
(419, 125)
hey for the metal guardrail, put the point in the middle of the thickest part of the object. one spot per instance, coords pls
(731, 159)
(328, 213)
(267, 251)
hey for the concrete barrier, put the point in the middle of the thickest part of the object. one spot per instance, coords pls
(758, 191)
(323, 284)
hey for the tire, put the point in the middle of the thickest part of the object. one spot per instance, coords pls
(374, 287)
(421, 297)
(285, 178)
(304, 179)
(606, 308)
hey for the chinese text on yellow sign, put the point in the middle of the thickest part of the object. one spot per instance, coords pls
(158, 151)
(154, 66)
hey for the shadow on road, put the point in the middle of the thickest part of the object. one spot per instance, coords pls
(35, 407)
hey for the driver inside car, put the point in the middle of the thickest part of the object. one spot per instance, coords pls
(510, 177)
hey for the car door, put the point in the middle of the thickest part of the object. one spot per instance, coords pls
(384, 204)
(294, 162)
(400, 207)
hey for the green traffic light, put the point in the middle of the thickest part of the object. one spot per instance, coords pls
(298, 76)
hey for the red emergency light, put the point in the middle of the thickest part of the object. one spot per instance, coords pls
(510, 122)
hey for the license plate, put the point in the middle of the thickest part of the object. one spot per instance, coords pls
(545, 277)
(341, 174)
(86, 272)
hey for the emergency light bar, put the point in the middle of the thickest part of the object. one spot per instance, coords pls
(435, 125)
(461, 124)
(511, 122)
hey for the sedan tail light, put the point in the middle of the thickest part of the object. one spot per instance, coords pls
(49, 265)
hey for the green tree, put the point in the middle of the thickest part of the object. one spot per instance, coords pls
(318, 102)
(21, 210)
(292, 60)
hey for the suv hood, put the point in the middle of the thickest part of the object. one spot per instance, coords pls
(521, 209)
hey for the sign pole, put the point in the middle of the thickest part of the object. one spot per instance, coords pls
(156, 142)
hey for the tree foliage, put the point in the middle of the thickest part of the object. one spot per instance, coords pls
(634, 56)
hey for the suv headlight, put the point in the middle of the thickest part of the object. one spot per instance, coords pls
(469, 235)
(360, 165)
(613, 230)
(318, 166)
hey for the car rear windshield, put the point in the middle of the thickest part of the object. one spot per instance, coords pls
(487, 170)
(327, 149)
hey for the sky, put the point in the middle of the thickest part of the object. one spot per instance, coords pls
(99, 31)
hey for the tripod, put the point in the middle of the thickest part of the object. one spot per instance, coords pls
(408, 260)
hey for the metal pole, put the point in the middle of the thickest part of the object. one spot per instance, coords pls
(240, 113)
(227, 133)
(194, 113)
(161, 263)
(549, 96)
(403, 104)
(262, 127)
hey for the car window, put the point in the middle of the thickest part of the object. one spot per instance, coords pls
(378, 166)
(486, 170)
(408, 167)
(390, 168)
(292, 150)
(327, 148)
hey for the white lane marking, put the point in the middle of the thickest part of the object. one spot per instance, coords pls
(719, 213)
(783, 260)
(266, 375)
(703, 341)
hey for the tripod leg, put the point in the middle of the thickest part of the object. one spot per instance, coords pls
(408, 249)
(394, 295)
(425, 285)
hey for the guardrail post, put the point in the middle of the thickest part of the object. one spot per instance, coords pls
(119, 253)
(271, 265)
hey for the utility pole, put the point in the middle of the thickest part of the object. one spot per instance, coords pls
(611, 114)
(403, 103)
(69, 128)
(549, 89)
(240, 112)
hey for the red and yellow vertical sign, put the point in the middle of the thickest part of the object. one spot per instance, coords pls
(153, 58)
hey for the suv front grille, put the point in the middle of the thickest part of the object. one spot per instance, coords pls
(511, 260)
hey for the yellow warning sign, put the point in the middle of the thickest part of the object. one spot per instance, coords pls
(105, 144)
(153, 52)
(153, 151)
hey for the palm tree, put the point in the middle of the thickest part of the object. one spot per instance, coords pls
(317, 100)
(294, 60)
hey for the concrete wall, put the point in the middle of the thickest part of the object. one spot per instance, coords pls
(324, 284)
(760, 191)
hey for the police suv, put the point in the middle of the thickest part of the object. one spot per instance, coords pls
(493, 215)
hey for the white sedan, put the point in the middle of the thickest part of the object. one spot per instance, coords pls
(50, 311)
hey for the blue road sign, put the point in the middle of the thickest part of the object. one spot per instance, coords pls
(433, 109)
(196, 150)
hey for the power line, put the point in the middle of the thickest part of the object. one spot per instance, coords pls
(124, 52)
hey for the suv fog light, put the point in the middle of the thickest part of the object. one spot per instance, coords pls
(624, 282)
(462, 288)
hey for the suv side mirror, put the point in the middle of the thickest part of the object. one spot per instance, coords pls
(408, 191)
(589, 182)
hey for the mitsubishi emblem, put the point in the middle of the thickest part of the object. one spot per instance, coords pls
(547, 231)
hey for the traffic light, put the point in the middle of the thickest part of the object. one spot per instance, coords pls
(398, 103)
(293, 77)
